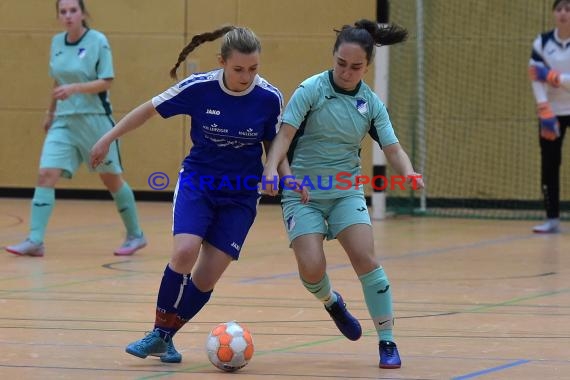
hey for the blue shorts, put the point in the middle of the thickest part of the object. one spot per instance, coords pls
(222, 218)
(327, 217)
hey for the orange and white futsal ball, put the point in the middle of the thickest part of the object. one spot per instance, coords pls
(229, 346)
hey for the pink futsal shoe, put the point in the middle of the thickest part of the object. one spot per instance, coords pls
(27, 248)
(131, 245)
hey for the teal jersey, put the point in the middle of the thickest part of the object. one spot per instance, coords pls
(83, 61)
(332, 123)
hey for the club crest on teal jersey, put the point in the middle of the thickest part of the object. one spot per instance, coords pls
(362, 106)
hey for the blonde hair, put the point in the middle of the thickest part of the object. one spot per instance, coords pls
(236, 38)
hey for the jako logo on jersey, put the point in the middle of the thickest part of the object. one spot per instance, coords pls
(235, 246)
(361, 106)
(248, 133)
(212, 112)
(81, 52)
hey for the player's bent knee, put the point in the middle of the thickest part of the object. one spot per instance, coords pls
(48, 177)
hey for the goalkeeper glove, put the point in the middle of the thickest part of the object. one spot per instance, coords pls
(549, 127)
(544, 74)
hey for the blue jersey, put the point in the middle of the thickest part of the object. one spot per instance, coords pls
(227, 128)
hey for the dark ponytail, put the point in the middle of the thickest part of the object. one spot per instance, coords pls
(368, 34)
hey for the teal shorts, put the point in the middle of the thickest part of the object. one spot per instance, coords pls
(69, 140)
(323, 216)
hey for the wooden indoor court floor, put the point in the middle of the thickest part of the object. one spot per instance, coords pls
(474, 299)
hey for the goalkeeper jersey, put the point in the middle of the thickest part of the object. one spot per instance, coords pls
(550, 51)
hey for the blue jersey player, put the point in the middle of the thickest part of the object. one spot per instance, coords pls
(79, 114)
(328, 117)
(234, 113)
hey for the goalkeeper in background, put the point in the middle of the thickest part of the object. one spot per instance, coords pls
(549, 71)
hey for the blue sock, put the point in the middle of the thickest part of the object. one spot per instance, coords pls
(169, 295)
(378, 297)
(193, 300)
(42, 206)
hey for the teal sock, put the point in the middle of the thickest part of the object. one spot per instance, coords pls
(378, 297)
(125, 201)
(42, 206)
(322, 290)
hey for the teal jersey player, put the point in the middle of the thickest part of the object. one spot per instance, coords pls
(78, 114)
(82, 61)
(323, 128)
(332, 123)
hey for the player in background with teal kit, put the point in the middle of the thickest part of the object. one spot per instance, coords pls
(323, 127)
(549, 70)
(234, 116)
(79, 113)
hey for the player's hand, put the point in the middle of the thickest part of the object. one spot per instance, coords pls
(549, 126)
(64, 91)
(270, 182)
(98, 153)
(544, 74)
(415, 181)
(296, 186)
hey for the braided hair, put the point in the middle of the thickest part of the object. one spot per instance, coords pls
(235, 38)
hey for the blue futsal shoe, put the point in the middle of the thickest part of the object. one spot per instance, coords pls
(389, 356)
(151, 344)
(171, 355)
(346, 323)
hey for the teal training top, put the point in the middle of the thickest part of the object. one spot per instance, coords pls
(332, 123)
(86, 60)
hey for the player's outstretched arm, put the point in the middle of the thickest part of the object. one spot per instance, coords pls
(131, 121)
(400, 161)
(277, 153)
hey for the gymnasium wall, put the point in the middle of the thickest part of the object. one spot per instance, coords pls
(146, 37)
